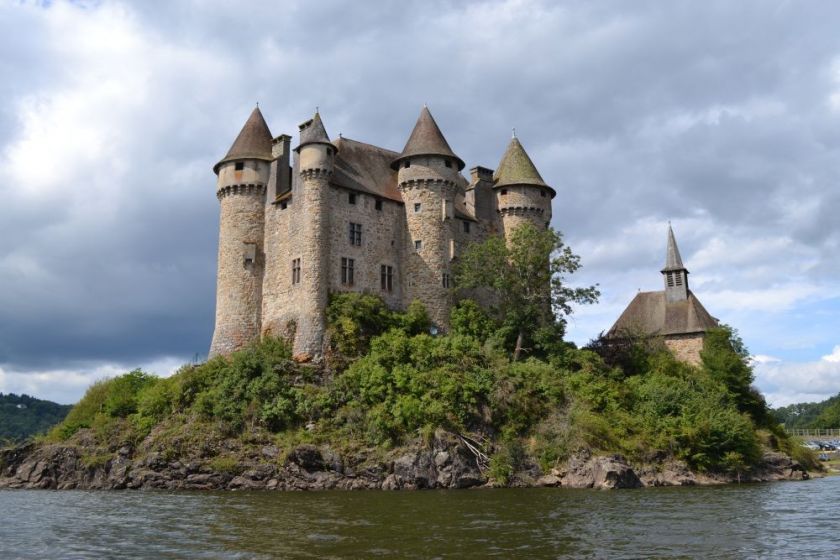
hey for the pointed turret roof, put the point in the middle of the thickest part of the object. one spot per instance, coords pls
(253, 142)
(313, 132)
(516, 168)
(673, 260)
(427, 140)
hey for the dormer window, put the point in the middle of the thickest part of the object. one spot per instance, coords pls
(239, 166)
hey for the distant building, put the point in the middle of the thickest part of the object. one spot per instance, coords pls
(675, 313)
(343, 215)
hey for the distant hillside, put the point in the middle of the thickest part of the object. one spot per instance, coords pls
(22, 416)
(825, 414)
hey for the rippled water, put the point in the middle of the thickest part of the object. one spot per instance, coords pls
(779, 520)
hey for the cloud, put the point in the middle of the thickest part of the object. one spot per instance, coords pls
(722, 117)
(785, 383)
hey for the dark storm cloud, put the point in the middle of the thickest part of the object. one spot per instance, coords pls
(720, 116)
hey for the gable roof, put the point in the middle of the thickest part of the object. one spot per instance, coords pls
(253, 141)
(516, 168)
(427, 140)
(366, 168)
(650, 313)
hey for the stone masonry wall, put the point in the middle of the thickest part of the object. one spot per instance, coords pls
(432, 185)
(686, 347)
(239, 278)
(521, 203)
(383, 243)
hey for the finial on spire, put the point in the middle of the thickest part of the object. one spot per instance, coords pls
(425, 105)
(258, 104)
(317, 109)
(513, 132)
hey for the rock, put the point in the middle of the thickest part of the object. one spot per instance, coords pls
(548, 480)
(391, 482)
(308, 457)
(606, 472)
(271, 451)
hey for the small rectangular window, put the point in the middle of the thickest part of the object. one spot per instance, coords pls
(466, 227)
(351, 198)
(378, 204)
(446, 280)
(679, 279)
(542, 193)
(447, 163)
(386, 278)
(355, 234)
(239, 166)
(249, 253)
(670, 278)
(416, 207)
(504, 192)
(347, 270)
(418, 244)
(284, 205)
(295, 271)
(407, 163)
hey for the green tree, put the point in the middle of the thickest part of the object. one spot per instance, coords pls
(527, 279)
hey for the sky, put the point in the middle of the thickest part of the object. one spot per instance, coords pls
(721, 117)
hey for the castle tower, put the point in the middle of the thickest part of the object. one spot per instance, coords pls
(427, 175)
(310, 266)
(240, 188)
(521, 193)
(675, 275)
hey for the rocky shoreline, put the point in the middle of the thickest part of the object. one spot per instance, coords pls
(443, 463)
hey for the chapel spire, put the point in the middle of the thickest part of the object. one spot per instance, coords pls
(674, 273)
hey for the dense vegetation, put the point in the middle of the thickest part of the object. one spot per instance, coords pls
(825, 414)
(22, 416)
(502, 377)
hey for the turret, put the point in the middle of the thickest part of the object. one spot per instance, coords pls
(240, 187)
(521, 193)
(674, 274)
(427, 175)
(309, 268)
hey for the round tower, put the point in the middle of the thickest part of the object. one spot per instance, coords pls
(240, 188)
(310, 265)
(427, 175)
(521, 194)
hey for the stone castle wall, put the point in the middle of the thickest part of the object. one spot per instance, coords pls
(241, 260)
(523, 203)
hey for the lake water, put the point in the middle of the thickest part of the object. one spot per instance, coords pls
(778, 520)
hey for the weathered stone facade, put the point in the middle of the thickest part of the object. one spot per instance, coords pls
(686, 347)
(329, 216)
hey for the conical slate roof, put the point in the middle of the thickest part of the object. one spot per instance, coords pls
(673, 260)
(253, 142)
(516, 168)
(313, 132)
(427, 140)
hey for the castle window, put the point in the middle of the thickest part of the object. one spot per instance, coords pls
(239, 166)
(416, 207)
(347, 266)
(447, 163)
(466, 227)
(542, 193)
(352, 198)
(418, 244)
(355, 234)
(378, 204)
(504, 192)
(407, 163)
(250, 253)
(446, 280)
(295, 271)
(386, 278)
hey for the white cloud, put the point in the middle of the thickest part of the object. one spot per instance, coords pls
(834, 356)
(785, 383)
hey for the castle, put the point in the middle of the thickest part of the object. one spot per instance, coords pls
(328, 216)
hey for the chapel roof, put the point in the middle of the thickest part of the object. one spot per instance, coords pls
(651, 314)
(253, 141)
(673, 260)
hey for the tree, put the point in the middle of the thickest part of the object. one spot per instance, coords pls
(526, 277)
